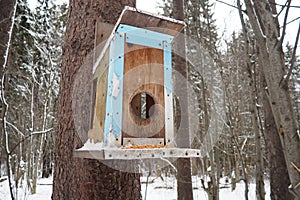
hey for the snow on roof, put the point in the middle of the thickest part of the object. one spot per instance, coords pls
(143, 19)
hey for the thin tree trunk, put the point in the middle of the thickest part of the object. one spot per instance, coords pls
(214, 174)
(184, 181)
(259, 171)
(279, 178)
(238, 154)
(47, 168)
(7, 17)
(5, 137)
(243, 166)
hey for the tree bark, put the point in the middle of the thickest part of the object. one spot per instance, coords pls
(271, 55)
(76, 178)
(184, 182)
(279, 178)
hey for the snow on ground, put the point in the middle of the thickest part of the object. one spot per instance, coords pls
(166, 190)
(4, 190)
(44, 191)
(156, 189)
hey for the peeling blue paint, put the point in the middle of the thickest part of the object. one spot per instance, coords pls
(113, 119)
(168, 68)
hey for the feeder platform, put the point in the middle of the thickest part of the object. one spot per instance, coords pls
(137, 153)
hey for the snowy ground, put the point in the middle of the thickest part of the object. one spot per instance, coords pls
(166, 190)
(44, 190)
(157, 189)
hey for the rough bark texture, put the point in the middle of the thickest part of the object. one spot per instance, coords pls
(76, 178)
(271, 55)
(184, 182)
(279, 178)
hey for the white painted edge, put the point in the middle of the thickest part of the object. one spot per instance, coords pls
(169, 122)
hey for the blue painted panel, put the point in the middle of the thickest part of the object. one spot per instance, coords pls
(108, 116)
(113, 120)
(142, 40)
(168, 67)
(118, 96)
(143, 32)
(144, 37)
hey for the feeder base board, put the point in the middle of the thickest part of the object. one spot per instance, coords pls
(133, 154)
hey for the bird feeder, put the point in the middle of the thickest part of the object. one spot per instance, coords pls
(132, 91)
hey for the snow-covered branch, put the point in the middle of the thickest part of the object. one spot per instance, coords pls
(29, 136)
(14, 127)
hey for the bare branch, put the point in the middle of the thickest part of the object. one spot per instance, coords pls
(242, 21)
(233, 6)
(282, 7)
(28, 136)
(5, 19)
(293, 59)
(285, 23)
(41, 132)
(14, 127)
(292, 20)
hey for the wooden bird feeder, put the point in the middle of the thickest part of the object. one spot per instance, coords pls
(132, 109)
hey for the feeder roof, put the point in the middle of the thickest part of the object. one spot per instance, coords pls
(142, 19)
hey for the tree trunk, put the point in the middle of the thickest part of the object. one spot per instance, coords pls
(46, 163)
(76, 178)
(7, 15)
(279, 179)
(215, 175)
(259, 171)
(184, 181)
(271, 55)
(254, 107)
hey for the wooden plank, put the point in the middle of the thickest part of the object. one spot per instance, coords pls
(97, 131)
(143, 72)
(103, 31)
(92, 154)
(93, 95)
